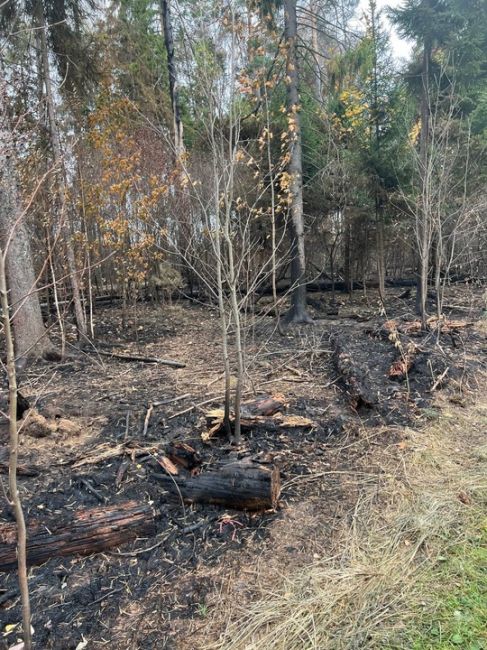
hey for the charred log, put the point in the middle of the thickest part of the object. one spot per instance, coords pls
(242, 485)
(353, 375)
(87, 531)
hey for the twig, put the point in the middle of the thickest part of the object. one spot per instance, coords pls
(440, 379)
(164, 402)
(292, 380)
(198, 524)
(107, 595)
(192, 407)
(127, 423)
(213, 381)
(93, 490)
(143, 550)
(295, 371)
(147, 419)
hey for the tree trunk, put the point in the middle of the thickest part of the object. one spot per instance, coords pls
(60, 172)
(379, 213)
(316, 55)
(88, 531)
(171, 68)
(347, 254)
(16, 503)
(422, 219)
(381, 270)
(297, 312)
(29, 331)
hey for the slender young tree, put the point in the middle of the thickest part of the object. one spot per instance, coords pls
(297, 312)
(429, 22)
(14, 495)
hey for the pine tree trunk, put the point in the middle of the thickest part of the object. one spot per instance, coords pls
(297, 312)
(29, 331)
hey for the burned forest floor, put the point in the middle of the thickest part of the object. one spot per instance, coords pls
(356, 391)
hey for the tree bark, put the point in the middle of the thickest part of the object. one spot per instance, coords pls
(317, 58)
(297, 312)
(60, 172)
(347, 253)
(171, 68)
(88, 531)
(29, 331)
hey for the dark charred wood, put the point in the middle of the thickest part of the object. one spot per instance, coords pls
(137, 358)
(85, 532)
(353, 375)
(183, 455)
(319, 285)
(22, 404)
(263, 405)
(241, 485)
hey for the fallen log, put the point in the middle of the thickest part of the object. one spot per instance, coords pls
(87, 531)
(318, 286)
(353, 375)
(242, 485)
(134, 357)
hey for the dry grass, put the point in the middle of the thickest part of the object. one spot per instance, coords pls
(364, 596)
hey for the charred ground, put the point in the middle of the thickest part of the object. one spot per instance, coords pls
(155, 592)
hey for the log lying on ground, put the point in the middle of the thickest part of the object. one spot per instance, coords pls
(242, 485)
(353, 375)
(319, 285)
(87, 531)
(134, 357)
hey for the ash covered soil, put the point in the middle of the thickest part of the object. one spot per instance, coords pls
(155, 592)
